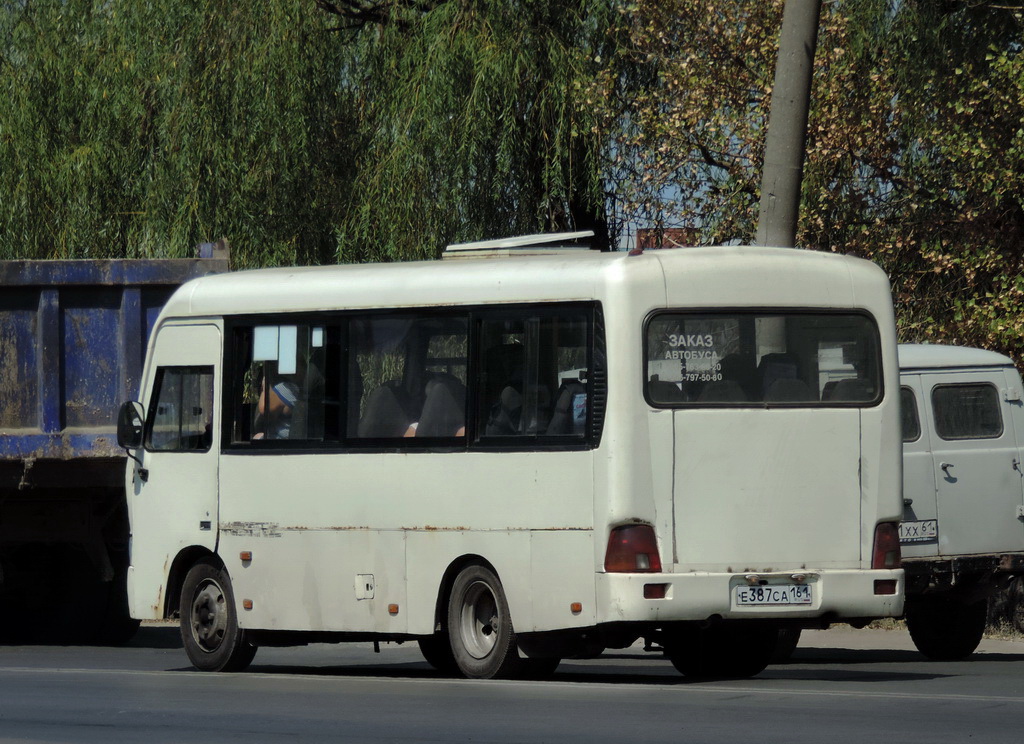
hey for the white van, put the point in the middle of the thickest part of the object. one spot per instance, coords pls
(962, 534)
(515, 460)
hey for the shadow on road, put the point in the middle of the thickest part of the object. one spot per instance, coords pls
(881, 656)
(156, 637)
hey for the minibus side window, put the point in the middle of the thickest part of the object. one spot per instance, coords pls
(181, 412)
(967, 411)
(909, 416)
(409, 373)
(286, 383)
(535, 372)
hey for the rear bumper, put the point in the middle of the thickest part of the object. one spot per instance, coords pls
(836, 595)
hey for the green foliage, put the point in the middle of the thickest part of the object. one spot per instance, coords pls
(476, 125)
(933, 186)
(686, 101)
(914, 148)
(311, 131)
(140, 129)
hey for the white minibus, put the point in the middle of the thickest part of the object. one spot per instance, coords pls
(522, 459)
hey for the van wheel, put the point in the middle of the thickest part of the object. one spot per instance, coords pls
(721, 651)
(483, 642)
(209, 624)
(946, 630)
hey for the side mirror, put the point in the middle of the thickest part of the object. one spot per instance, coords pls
(129, 425)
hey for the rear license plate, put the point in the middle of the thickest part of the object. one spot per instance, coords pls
(924, 530)
(773, 594)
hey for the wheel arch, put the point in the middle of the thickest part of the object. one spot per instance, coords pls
(185, 559)
(448, 578)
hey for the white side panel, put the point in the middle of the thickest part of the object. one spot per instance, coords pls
(315, 522)
(561, 573)
(314, 579)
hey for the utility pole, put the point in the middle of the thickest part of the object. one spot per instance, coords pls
(783, 166)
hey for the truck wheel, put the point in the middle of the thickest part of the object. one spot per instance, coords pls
(483, 642)
(209, 625)
(722, 651)
(946, 630)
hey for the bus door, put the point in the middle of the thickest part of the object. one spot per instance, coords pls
(174, 505)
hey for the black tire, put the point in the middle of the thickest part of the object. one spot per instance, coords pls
(483, 642)
(944, 629)
(787, 643)
(437, 650)
(209, 623)
(721, 651)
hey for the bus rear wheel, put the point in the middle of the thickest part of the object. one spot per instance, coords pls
(721, 651)
(480, 630)
(209, 623)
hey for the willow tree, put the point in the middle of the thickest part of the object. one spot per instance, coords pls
(141, 128)
(474, 121)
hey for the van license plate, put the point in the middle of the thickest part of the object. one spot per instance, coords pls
(773, 594)
(924, 530)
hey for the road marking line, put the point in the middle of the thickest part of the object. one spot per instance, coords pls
(673, 686)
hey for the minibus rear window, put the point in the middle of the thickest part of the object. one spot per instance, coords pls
(737, 359)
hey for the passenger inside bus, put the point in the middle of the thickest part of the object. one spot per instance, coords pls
(274, 409)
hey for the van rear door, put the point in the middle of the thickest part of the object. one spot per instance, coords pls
(976, 462)
(919, 528)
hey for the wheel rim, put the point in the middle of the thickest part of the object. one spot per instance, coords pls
(479, 624)
(209, 617)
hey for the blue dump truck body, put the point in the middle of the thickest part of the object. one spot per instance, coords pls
(73, 337)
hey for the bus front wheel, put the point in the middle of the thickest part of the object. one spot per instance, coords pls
(480, 630)
(209, 623)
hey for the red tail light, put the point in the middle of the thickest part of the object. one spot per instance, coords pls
(632, 548)
(886, 553)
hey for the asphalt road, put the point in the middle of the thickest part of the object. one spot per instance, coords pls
(841, 686)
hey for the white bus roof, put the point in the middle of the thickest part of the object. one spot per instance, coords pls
(934, 356)
(714, 277)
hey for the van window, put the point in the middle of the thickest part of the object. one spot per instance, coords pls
(181, 413)
(967, 411)
(744, 359)
(909, 416)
